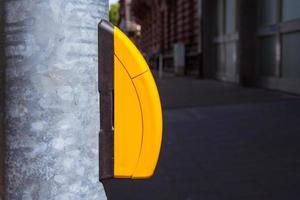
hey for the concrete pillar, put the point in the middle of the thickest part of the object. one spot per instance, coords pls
(208, 32)
(247, 44)
(52, 104)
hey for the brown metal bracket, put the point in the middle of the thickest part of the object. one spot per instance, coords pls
(106, 90)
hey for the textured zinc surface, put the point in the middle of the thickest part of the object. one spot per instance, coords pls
(52, 106)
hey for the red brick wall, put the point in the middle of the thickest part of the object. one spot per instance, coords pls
(164, 24)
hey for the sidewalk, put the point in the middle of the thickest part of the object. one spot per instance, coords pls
(178, 92)
(222, 141)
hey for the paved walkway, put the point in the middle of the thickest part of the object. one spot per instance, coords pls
(223, 142)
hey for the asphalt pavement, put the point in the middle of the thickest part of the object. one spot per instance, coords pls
(222, 142)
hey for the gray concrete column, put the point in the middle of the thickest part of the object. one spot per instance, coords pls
(247, 44)
(52, 104)
(208, 24)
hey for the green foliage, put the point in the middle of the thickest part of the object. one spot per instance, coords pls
(114, 14)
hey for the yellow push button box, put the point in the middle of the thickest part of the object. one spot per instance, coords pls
(130, 109)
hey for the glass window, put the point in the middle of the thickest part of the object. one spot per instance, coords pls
(221, 62)
(266, 12)
(231, 58)
(290, 55)
(267, 56)
(230, 16)
(220, 18)
(291, 9)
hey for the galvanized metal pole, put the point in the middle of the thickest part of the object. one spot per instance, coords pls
(52, 104)
(2, 100)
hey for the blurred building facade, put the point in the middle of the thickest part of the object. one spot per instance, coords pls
(248, 42)
(165, 24)
(253, 42)
(127, 22)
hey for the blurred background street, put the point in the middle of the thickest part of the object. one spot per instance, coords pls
(228, 72)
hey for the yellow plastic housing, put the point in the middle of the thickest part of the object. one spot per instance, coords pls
(152, 125)
(127, 123)
(137, 112)
(128, 54)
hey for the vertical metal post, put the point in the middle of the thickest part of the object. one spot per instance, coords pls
(106, 90)
(160, 66)
(52, 102)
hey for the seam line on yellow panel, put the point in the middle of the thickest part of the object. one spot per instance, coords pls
(127, 70)
(140, 74)
(142, 116)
